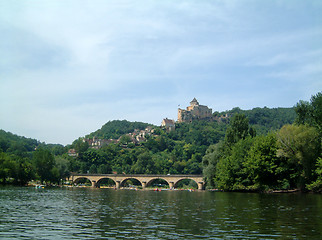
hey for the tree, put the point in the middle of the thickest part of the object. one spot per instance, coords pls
(317, 184)
(125, 139)
(44, 162)
(93, 169)
(213, 155)
(310, 112)
(92, 156)
(6, 167)
(300, 146)
(24, 172)
(303, 111)
(316, 103)
(62, 167)
(261, 163)
(230, 173)
(104, 168)
(80, 146)
(144, 164)
(238, 129)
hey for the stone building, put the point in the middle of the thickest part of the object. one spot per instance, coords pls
(168, 124)
(194, 112)
(97, 143)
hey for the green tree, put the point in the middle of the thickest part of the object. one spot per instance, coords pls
(144, 164)
(317, 184)
(238, 129)
(80, 146)
(300, 146)
(210, 160)
(92, 156)
(230, 173)
(104, 168)
(43, 161)
(6, 167)
(24, 171)
(54, 176)
(261, 163)
(93, 169)
(125, 139)
(310, 112)
(61, 164)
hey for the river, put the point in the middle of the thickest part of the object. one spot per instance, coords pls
(86, 213)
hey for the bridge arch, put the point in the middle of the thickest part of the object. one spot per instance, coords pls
(79, 179)
(101, 181)
(186, 179)
(122, 183)
(154, 179)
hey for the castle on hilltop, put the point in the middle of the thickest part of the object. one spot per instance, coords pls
(194, 112)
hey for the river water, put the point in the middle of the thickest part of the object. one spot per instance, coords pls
(86, 213)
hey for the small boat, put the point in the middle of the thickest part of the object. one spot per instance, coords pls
(40, 186)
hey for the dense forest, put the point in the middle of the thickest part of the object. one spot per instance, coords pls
(259, 149)
(289, 158)
(23, 159)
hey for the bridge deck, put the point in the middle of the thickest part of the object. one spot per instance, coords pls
(137, 175)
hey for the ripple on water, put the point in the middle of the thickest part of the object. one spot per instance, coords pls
(27, 213)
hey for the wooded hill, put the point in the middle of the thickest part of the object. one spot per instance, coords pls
(179, 151)
(175, 152)
(189, 149)
(262, 119)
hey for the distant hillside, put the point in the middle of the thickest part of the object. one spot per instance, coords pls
(267, 119)
(12, 143)
(117, 128)
(22, 146)
(205, 132)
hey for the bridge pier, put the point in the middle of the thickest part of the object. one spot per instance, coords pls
(118, 183)
(200, 186)
(93, 183)
(143, 185)
(171, 185)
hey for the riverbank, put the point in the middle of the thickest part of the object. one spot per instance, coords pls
(139, 188)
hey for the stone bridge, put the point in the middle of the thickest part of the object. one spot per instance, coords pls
(145, 180)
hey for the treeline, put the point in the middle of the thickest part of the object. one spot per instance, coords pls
(289, 158)
(24, 159)
(213, 148)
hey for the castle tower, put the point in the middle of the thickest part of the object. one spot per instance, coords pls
(194, 102)
(194, 112)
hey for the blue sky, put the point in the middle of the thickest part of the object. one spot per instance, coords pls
(67, 67)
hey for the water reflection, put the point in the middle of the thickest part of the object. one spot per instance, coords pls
(88, 213)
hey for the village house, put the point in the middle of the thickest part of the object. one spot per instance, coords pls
(136, 137)
(97, 143)
(72, 152)
(168, 124)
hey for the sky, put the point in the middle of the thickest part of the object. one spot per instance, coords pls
(68, 67)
